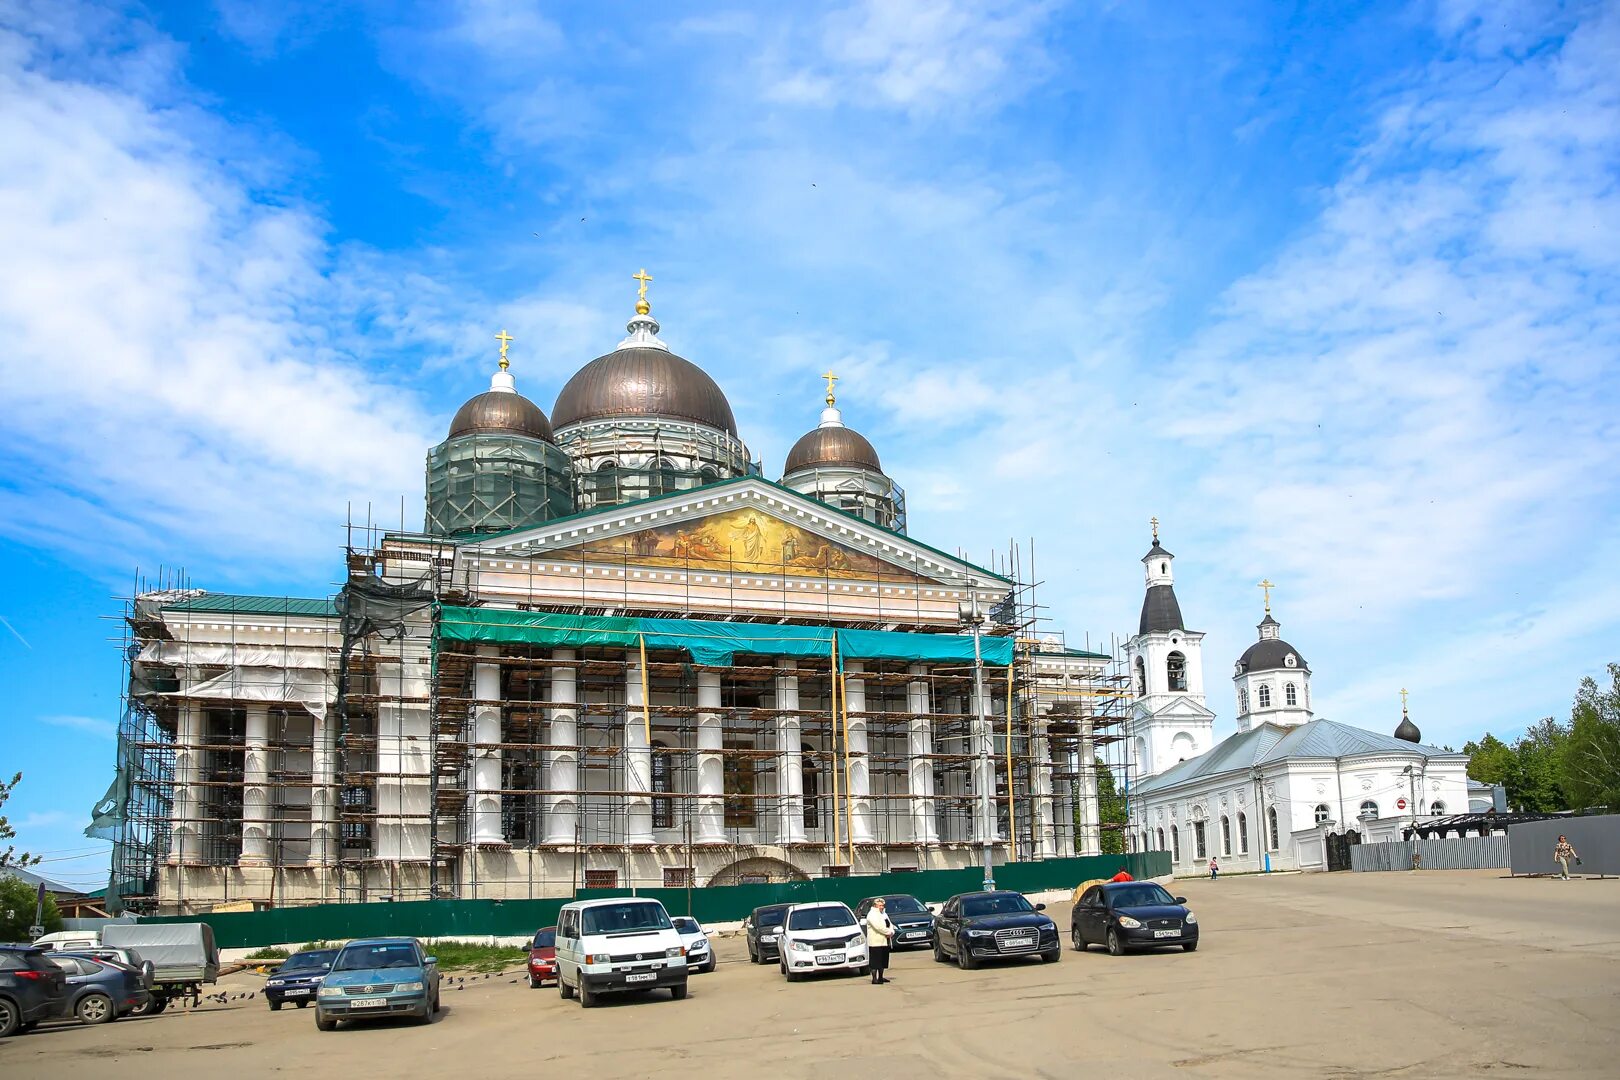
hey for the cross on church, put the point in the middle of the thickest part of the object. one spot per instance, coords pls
(1265, 583)
(643, 277)
(1403, 701)
(505, 339)
(1155, 523)
(831, 378)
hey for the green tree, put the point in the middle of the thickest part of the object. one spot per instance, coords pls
(17, 899)
(1490, 760)
(1589, 764)
(1110, 811)
(8, 855)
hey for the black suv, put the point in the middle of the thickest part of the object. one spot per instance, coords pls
(993, 925)
(763, 929)
(913, 922)
(31, 988)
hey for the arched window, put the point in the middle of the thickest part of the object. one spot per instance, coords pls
(1226, 835)
(1141, 677)
(1271, 822)
(812, 789)
(1160, 846)
(1243, 699)
(1289, 695)
(1164, 568)
(663, 810)
(1141, 755)
(1175, 845)
(1182, 746)
(1369, 809)
(1243, 833)
(604, 482)
(664, 477)
(1175, 670)
(1200, 847)
(1437, 807)
(1265, 696)
(708, 474)
(1321, 813)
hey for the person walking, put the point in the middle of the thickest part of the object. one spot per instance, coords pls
(1214, 868)
(879, 932)
(1563, 853)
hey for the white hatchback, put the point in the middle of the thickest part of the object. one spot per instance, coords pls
(699, 952)
(820, 937)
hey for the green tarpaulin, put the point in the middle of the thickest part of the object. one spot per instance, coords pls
(711, 642)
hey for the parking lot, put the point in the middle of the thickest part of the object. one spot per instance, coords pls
(1423, 975)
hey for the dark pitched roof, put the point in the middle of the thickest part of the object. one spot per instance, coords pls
(1160, 611)
(1270, 654)
(1155, 552)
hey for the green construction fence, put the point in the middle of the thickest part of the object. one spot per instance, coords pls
(709, 904)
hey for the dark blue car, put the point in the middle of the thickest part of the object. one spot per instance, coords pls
(31, 988)
(299, 978)
(1127, 915)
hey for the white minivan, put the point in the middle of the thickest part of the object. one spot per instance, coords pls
(617, 945)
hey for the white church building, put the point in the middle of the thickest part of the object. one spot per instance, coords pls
(1287, 790)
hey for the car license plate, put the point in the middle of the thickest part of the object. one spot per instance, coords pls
(916, 933)
(368, 1003)
(1167, 933)
(1018, 943)
(642, 976)
(830, 958)
(295, 993)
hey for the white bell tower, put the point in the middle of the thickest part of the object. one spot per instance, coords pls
(1170, 721)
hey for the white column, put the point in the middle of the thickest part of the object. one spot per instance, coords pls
(1041, 791)
(184, 839)
(1090, 825)
(562, 771)
(710, 827)
(256, 787)
(323, 797)
(789, 760)
(921, 736)
(1063, 801)
(860, 769)
(984, 766)
(483, 798)
(637, 757)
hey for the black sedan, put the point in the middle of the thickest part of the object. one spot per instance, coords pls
(913, 922)
(978, 926)
(763, 930)
(1132, 915)
(298, 979)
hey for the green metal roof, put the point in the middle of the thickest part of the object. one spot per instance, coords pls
(241, 604)
(704, 491)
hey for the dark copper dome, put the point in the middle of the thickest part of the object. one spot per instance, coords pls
(639, 382)
(832, 446)
(500, 412)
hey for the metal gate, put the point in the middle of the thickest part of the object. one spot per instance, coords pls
(1338, 848)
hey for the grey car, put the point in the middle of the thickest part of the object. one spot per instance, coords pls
(31, 988)
(98, 990)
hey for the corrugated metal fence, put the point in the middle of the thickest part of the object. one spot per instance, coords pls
(721, 903)
(1450, 853)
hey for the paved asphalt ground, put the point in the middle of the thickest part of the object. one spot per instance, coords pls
(1461, 974)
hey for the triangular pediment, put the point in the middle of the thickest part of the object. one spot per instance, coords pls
(1179, 707)
(743, 527)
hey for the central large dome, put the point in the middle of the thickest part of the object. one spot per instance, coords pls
(641, 381)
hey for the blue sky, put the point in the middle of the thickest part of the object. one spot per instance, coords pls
(1328, 288)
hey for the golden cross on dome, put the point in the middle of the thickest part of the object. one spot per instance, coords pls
(831, 378)
(1265, 583)
(505, 339)
(642, 307)
(1155, 523)
(1403, 701)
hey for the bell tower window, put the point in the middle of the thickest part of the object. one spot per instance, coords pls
(1265, 696)
(1290, 695)
(1175, 670)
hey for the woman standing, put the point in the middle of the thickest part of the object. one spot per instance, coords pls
(1564, 852)
(879, 932)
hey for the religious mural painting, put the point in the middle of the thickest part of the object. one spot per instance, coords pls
(751, 541)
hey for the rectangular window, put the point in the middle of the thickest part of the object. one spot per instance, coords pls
(1243, 834)
(1198, 839)
(677, 877)
(601, 879)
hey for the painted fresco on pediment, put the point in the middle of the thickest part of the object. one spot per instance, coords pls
(747, 541)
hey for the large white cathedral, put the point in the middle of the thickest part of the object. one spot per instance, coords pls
(1287, 790)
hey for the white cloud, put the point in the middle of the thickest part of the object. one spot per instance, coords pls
(90, 725)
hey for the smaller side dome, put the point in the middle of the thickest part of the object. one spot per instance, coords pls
(1408, 731)
(832, 446)
(501, 412)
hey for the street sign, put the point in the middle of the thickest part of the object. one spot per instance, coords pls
(1400, 804)
(36, 932)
